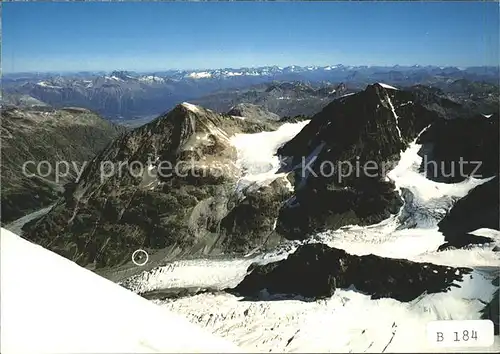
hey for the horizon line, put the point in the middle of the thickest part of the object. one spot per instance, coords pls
(3, 72)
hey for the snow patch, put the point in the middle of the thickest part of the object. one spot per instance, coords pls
(191, 107)
(257, 154)
(198, 273)
(347, 94)
(494, 234)
(387, 86)
(396, 117)
(406, 174)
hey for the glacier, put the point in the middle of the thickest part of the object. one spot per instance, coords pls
(349, 321)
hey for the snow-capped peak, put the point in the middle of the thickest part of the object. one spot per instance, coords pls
(191, 107)
(200, 75)
(231, 73)
(113, 78)
(47, 85)
(151, 79)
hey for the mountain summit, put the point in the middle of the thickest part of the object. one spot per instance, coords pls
(167, 185)
(349, 147)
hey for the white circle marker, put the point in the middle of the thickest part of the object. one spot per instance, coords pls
(136, 253)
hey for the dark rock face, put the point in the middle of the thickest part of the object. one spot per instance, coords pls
(338, 91)
(478, 209)
(317, 209)
(342, 156)
(454, 150)
(47, 138)
(253, 111)
(459, 148)
(316, 271)
(164, 186)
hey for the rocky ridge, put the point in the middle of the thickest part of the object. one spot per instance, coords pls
(40, 138)
(315, 271)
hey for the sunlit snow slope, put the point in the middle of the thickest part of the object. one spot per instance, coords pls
(51, 305)
(256, 153)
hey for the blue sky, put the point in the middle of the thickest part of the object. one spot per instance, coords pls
(40, 36)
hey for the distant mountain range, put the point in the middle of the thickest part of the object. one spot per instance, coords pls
(120, 95)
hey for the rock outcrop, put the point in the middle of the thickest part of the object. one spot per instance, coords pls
(478, 209)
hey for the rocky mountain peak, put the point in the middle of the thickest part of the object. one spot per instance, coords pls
(331, 155)
(187, 132)
(341, 87)
(166, 185)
